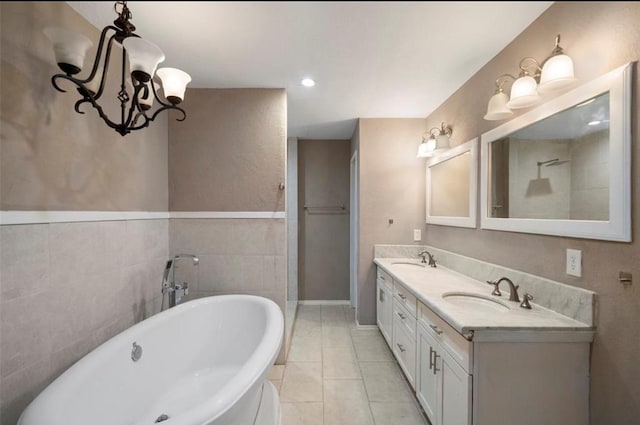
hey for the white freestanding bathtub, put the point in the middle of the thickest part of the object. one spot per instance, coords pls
(204, 362)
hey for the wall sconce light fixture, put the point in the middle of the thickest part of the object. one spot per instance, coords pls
(137, 89)
(437, 142)
(555, 73)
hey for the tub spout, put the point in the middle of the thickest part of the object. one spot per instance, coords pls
(175, 290)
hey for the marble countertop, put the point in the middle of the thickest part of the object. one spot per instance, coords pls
(429, 285)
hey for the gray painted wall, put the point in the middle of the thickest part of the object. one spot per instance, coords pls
(392, 186)
(323, 235)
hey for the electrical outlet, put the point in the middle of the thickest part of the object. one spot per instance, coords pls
(417, 235)
(574, 262)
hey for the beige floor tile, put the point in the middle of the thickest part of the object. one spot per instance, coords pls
(371, 348)
(340, 362)
(397, 413)
(309, 312)
(336, 335)
(275, 374)
(302, 413)
(345, 403)
(333, 314)
(302, 382)
(384, 382)
(306, 348)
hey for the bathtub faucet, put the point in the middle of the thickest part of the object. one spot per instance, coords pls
(172, 288)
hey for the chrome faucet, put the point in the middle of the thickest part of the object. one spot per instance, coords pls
(432, 259)
(513, 289)
(176, 291)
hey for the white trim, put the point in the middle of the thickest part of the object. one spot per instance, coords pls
(227, 214)
(41, 217)
(36, 217)
(618, 83)
(366, 327)
(469, 221)
(323, 302)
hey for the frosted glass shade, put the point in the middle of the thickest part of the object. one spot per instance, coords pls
(524, 93)
(174, 83)
(557, 73)
(143, 56)
(497, 108)
(442, 142)
(426, 148)
(69, 47)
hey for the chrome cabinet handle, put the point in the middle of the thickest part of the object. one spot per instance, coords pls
(435, 362)
(401, 348)
(382, 277)
(381, 295)
(402, 296)
(431, 351)
(436, 330)
(402, 316)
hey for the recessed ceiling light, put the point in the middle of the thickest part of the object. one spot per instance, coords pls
(308, 82)
(596, 122)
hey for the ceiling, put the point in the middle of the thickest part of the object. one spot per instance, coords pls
(369, 59)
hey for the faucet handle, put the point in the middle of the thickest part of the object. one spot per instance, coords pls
(496, 289)
(525, 302)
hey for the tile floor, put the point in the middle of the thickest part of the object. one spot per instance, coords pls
(337, 374)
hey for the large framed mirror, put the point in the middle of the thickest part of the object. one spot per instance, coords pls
(563, 168)
(452, 186)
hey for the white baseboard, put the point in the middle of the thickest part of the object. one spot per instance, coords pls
(324, 302)
(365, 327)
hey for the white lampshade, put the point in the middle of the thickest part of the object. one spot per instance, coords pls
(497, 108)
(69, 47)
(557, 73)
(442, 142)
(174, 83)
(524, 93)
(144, 57)
(426, 148)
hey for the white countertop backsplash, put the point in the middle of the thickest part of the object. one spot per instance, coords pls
(556, 306)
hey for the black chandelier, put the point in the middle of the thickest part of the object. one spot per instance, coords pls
(142, 57)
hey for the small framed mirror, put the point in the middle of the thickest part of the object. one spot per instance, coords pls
(452, 186)
(563, 168)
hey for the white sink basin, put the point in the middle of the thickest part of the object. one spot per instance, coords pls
(406, 263)
(475, 302)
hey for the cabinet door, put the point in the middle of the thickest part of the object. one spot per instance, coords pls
(427, 381)
(455, 400)
(388, 313)
(384, 310)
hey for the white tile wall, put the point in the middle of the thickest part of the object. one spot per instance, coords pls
(65, 288)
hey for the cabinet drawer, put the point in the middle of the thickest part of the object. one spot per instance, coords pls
(405, 318)
(404, 348)
(458, 347)
(405, 298)
(385, 279)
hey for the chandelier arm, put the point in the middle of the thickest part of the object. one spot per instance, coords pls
(105, 67)
(96, 61)
(164, 108)
(105, 118)
(130, 121)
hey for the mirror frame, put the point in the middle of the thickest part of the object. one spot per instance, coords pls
(618, 228)
(471, 221)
